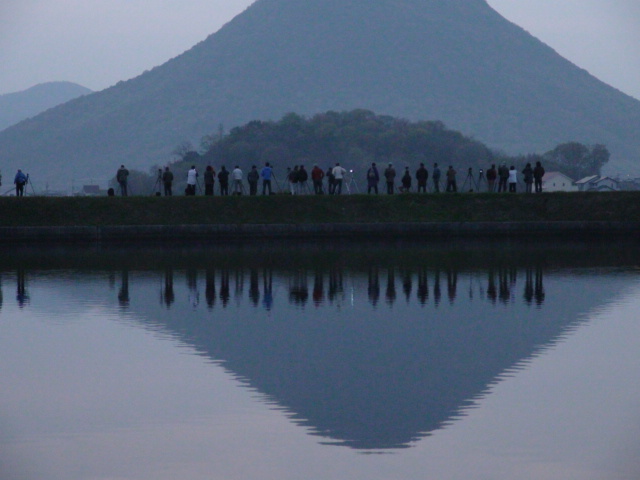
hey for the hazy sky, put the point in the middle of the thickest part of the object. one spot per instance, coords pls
(97, 43)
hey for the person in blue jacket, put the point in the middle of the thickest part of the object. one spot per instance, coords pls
(20, 181)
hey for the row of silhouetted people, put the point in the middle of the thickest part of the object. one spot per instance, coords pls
(336, 179)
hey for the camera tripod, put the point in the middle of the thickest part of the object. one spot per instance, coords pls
(352, 183)
(471, 181)
(157, 188)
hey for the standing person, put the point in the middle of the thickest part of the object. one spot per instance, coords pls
(390, 176)
(373, 178)
(422, 175)
(492, 174)
(167, 181)
(513, 179)
(303, 176)
(122, 176)
(223, 181)
(503, 177)
(538, 173)
(527, 175)
(316, 177)
(20, 181)
(436, 178)
(292, 176)
(331, 181)
(406, 180)
(252, 177)
(452, 186)
(266, 174)
(338, 176)
(209, 180)
(237, 180)
(192, 180)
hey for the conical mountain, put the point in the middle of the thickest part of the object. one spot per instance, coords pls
(452, 60)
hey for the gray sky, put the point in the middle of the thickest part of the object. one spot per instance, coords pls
(97, 43)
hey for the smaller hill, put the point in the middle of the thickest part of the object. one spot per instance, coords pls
(15, 107)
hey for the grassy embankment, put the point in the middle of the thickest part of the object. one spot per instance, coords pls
(74, 211)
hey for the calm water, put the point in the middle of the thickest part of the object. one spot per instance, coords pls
(377, 361)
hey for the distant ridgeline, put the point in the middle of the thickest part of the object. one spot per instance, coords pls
(359, 137)
(457, 61)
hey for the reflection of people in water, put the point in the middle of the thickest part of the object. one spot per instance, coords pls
(373, 290)
(423, 286)
(452, 285)
(492, 290)
(528, 286)
(192, 284)
(254, 287)
(407, 284)
(267, 279)
(167, 296)
(210, 287)
(539, 287)
(318, 288)
(391, 286)
(224, 287)
(505, 291)
(123, 293)
(21, 296)
(335, 283)
(298, 290)
(437, 293)
(239, 284)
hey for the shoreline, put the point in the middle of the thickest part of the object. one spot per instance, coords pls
(570, 230)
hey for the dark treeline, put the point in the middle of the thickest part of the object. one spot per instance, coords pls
(357, 138)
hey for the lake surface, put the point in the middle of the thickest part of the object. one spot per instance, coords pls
(321, 361)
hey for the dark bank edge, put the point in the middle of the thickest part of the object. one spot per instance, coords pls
(225, 232)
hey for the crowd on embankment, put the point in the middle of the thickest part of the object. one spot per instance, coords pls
(337, 180)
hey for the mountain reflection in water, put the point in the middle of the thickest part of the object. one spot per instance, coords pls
(369, 348)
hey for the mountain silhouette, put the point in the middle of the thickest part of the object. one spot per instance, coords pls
(15, 107)
(457, 61)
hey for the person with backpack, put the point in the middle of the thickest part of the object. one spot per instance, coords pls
(373, 178)
(331, 181)
(538, 173)
(20, 181)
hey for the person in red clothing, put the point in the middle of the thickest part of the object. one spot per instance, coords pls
(317, 174)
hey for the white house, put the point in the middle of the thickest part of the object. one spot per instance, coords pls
(557, 182)
(596, 183)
